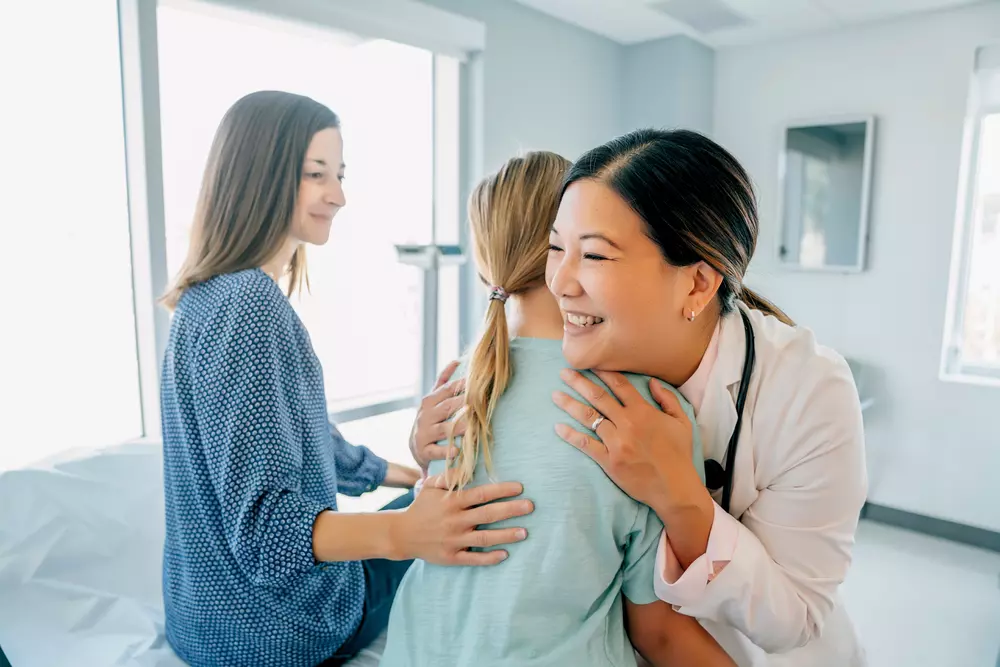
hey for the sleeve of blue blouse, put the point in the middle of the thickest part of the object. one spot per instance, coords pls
(244, 409)
(359, 470)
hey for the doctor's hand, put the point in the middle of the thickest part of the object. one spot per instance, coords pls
(433, 424)
(645, 451)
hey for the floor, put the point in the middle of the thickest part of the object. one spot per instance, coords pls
(918, 600)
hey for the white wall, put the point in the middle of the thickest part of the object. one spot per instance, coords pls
(668, 83)
(934, 447)
(548, 85)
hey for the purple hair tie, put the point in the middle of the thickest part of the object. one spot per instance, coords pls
(499, 294)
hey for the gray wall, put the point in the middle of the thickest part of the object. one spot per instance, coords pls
(548, 85)
(933, 447)
(668, 83)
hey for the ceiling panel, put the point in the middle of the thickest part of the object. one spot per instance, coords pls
(860, 11)
(625, 21)
(771, 19)
(631, 21)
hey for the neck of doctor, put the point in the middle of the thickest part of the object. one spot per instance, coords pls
(679, 361)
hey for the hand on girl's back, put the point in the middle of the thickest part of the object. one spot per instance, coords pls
(441, 525)
(433, 423)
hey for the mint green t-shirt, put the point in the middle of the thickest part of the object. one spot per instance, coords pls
(556, 600)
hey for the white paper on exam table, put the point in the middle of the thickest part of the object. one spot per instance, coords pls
(81, 548)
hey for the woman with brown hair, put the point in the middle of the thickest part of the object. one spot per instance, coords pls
(259, 568)
(581, 586)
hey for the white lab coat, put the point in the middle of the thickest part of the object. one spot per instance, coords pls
(799, 485)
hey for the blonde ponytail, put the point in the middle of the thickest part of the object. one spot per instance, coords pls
(510, 215)
(487, 378)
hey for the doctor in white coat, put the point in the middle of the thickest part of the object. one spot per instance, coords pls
(648, 252)
(647, 258)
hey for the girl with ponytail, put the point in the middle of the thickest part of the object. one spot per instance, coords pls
(580, 586)
(510, 215)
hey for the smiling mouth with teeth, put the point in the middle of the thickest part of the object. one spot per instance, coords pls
(583, 320)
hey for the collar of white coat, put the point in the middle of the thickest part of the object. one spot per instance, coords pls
(717, 417)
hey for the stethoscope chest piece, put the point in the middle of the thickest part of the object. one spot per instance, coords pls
(715, 475)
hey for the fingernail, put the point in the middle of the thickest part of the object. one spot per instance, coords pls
(503, 556)
(522, 534)
(566, 374)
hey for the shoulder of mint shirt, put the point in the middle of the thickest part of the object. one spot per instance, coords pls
(557, 599)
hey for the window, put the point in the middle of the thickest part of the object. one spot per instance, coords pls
(100, 186)
(68, 363)
(972, 348)
(387, 435)
(365, 310)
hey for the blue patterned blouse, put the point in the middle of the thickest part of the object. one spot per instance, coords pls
(250, 458)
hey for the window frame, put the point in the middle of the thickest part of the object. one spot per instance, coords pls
(953, 367)
(405, 21)
(144, 184)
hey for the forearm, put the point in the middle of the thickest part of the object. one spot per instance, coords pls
(339, 537)
(695, 647)
(666, 638)
(737, 583)
(688, 523)
(401, 477)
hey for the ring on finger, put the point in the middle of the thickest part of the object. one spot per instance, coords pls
(597, 422)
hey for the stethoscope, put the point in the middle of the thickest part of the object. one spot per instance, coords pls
(715, 476)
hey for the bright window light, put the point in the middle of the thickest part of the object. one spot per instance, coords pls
(68, 364)
(972, 343)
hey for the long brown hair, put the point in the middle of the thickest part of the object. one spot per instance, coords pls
(510, 215)
(249, 189)
(696, 199)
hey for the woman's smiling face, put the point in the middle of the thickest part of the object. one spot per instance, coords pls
(619, 297)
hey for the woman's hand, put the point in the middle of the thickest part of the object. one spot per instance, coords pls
(642, 449)
(432, 424)
(440, 526)
(645, 451)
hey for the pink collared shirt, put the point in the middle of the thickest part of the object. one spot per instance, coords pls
(673, 584)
